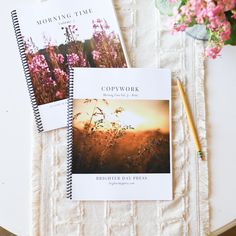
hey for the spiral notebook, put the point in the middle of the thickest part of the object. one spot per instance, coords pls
(55, 35)
(119, 134)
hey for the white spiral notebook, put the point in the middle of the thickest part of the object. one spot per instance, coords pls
(55, 35)
(119, 134)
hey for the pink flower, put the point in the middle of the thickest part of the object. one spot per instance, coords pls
(60, 58)
(212, 52)
(107, 46)
(96, 55)
(49, 81)
(179, 27)
(210, 13)
(60, 75)
(59, 95)
(74, 59)
(38, 64)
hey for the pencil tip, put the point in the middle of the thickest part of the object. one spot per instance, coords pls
(200, 154)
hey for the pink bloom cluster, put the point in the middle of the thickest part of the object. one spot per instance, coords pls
(210, 13)
(49, 85)
(60, 58)
(38, 63)
(60, 75)
(49, 66)
(59, 95)
(107, 51)
(38, 66)
(96, 55)
(76, 60)
(41, 78)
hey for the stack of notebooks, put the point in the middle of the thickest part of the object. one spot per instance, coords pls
(118, 118)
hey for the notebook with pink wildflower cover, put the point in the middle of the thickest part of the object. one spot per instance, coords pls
(55, 35)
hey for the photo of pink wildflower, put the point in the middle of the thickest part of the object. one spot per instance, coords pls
(49, 66)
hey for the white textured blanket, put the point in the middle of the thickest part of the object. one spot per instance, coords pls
(149, 44)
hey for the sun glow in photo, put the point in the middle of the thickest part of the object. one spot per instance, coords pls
(130, 118)
(141, 115)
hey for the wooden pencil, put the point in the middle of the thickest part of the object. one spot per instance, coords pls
(190, 119)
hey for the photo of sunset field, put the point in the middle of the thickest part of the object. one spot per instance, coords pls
(121, 136)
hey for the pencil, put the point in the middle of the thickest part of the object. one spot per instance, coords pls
(190, 119)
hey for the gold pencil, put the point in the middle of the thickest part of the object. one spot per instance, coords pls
(190, 119)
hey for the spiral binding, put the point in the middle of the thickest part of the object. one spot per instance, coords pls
(70, 133)
(21, 46)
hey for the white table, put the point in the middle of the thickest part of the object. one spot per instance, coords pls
(221, 106)
(16, 122)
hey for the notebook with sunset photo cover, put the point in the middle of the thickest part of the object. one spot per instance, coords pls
(119, 134)
(55, 35)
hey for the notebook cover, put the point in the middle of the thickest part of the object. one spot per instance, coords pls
(119, 134)
(55, 35)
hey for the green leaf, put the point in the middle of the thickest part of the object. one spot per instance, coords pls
(165, 7)
(232, 40)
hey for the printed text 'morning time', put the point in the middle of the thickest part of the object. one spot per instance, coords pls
(119, 89)
(64, 16)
